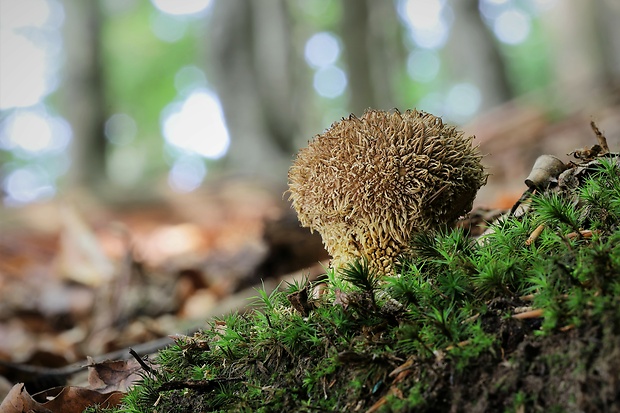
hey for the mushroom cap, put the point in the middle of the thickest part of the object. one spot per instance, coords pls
(368, 184)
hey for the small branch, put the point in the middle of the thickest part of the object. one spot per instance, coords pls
(32, 372)
(141, 362)
(529, 314)
(567, 328)
(534, 235)
(584, 233)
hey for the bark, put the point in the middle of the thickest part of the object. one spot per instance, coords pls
(254, 74)
(473, 55)
(83, 93)
(354, 31)
(373, 51)
(387, 51)
(607, 13)
(578, 71)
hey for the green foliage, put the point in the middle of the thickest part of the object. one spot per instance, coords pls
(141, 68)
(601, 192)
(441, 308)
(361, 276)
(139, 77)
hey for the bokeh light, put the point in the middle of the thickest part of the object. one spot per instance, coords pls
(14, 14)
(462, 102)
(510, 23)
(189, 78)
(330, 82)
(23, 71)
(423, 14)
(30, 47)
(490, 9)
(28, 184)
(197, 125)
(512, 26)
(187, 173)
(423, 65)
(120, 129)
(459, 104)
(428, 21)
(322, 49)
(31, 132)
(168, 28)
(182, 7)
(29, 44)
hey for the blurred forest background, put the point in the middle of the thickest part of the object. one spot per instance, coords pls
(144, 145)
(128, 98)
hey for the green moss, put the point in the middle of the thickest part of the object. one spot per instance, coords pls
(416, 339)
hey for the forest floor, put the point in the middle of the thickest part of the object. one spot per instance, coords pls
(78, 279)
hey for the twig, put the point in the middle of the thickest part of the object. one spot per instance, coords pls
(529, 314)
(534, 235)
(602, 141)
(585, 233)
(141, 362)
(67, 371)
(567, 328)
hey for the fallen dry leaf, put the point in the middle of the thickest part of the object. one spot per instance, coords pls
(81, 258)
(57, 400)
(19, 401)
(72, 399)
(111, 375)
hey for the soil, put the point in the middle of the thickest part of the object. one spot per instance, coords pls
(573, 371)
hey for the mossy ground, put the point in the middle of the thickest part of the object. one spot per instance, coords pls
(440, 335)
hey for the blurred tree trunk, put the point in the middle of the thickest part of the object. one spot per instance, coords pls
(83, 93)
(473, 55)
(373, 51)
(389, 56)
(575, 53)
(254, 72)
(608, 36)
(354, 31)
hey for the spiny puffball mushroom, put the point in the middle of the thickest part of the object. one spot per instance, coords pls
(368, 184)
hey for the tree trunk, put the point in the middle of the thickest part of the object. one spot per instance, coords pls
(253, 71)
(473, 56)
(608, 36)
(83, 93)
(354, 31)
(374, 53)
(575, 53)
(387, 54)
